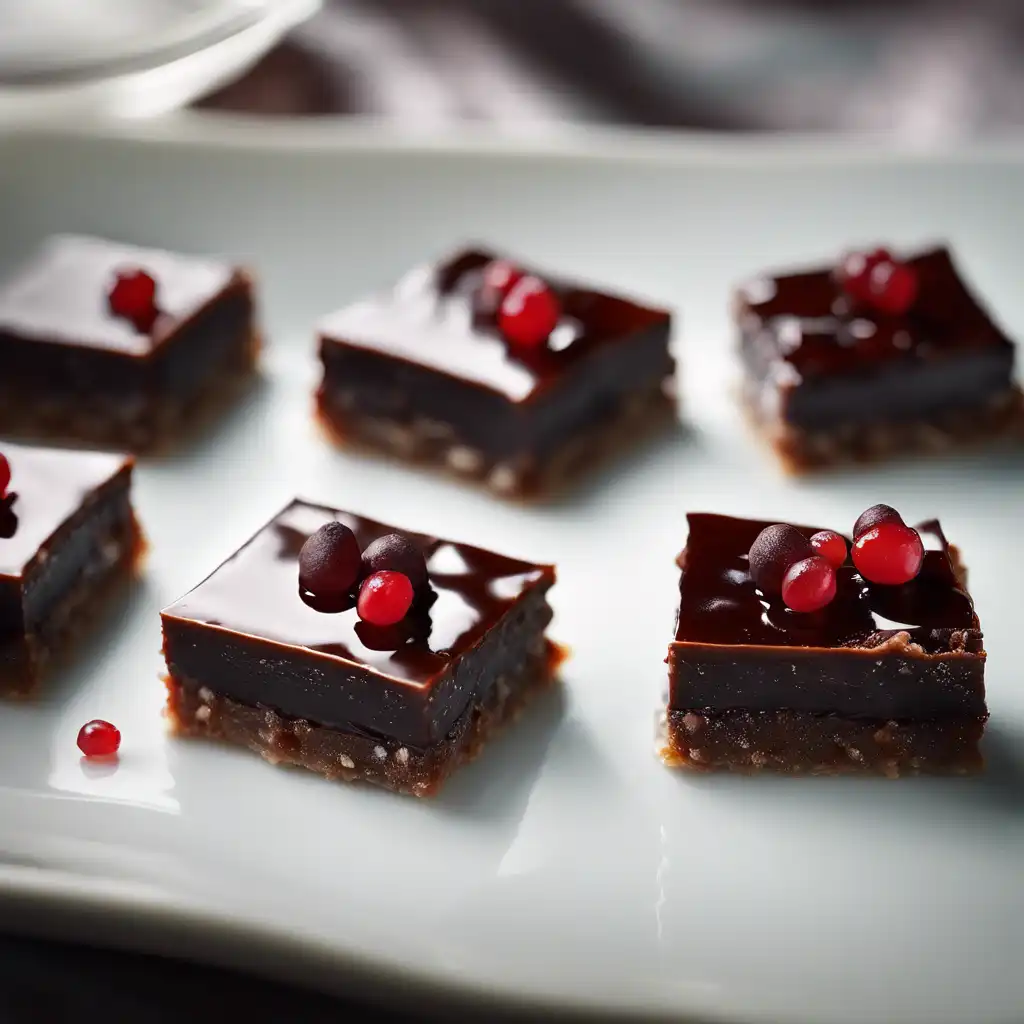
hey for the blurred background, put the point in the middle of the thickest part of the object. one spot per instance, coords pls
(925, 69)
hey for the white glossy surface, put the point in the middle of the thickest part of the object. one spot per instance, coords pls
(566, 865)
(129, 58)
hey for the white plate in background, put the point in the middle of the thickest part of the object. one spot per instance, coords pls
(129, 58)
(566, 867)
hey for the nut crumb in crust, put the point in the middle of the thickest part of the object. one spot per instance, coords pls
(353, 757)
(639, 417)
(804, 743)
(801, 452)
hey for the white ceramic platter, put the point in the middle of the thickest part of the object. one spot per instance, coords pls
(566, 868)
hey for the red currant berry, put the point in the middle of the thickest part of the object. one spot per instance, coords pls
(5, 475)
(329, 561)
(889, 553)
(873, 516)
(500, 275)
(855, 269)
(133, 297)
(775, 549)
(529, 312)
(830, 546)
(98, 739)
(809, 584)
(893, 287)
(385, 598)
(398, 554)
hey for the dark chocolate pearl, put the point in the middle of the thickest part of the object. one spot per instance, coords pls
(773, 552)
(8, 517)
(329, 561)
(874, 516)
(451, 275)
(395, 553)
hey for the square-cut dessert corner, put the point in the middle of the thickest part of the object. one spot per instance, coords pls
(837, 369)
(255, 660)
(521, 386)
(883, 679)
(67, 534)
(118, 345)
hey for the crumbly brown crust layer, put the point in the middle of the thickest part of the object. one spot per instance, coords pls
(196, 710)
(140, 426)
(800, 743)
(114, 560)
(804, 451)
(436, 444)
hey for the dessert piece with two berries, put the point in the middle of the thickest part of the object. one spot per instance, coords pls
(496, 373)
(800, 650)
(118, 346)
(876, 355)
(336, 643)
(68, 534)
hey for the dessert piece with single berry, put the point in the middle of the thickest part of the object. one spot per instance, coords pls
(878, 354)
(68, 536)
(118, 346)
(358, 651)
(496, 372)
(792, 655)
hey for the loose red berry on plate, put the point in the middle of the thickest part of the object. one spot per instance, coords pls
(398, 554)
(5, 475)
(133, 297)
(855, 269)
(385, 598)
(500, 275)
(889, 553)
(830, 546)
(809, 584)
(893, 287)
(773, 552)
(99, 739)
(873, 516)
(329, 561)
(529, 312)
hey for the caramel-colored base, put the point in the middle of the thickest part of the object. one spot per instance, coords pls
(435, 444)
(197, 710)
(800, 743)
(97, 421)
(803, 451)
(24, 661)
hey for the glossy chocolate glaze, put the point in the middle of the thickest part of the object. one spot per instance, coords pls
(50, 487)
(60, 295)
(430, 319)
(737, 647)
(819, 333)
(256, 592)
(828, 360)
(720, 603)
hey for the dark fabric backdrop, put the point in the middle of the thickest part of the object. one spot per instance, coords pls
(928, 69)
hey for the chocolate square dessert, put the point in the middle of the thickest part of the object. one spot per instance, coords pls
(496, 373)
(67, 532)
(113, 345)
(873, 356)
(332, 642)
(876, 678)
